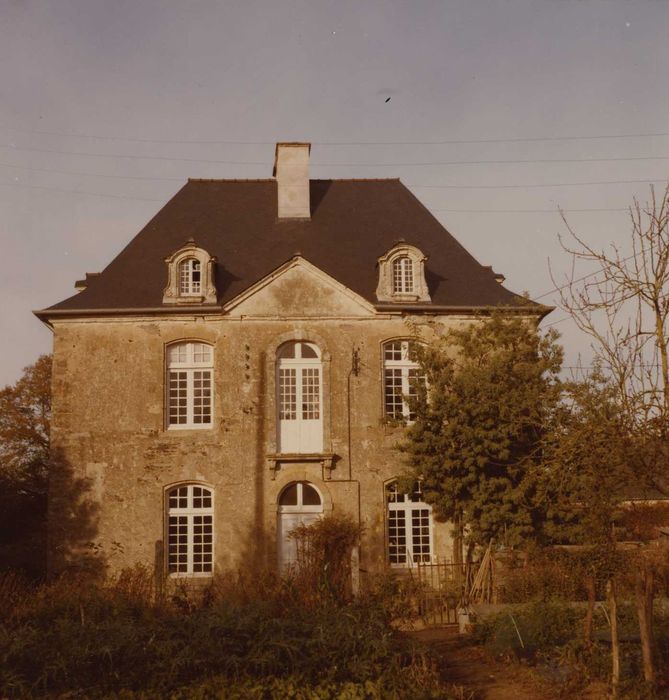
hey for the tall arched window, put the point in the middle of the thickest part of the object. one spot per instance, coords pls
(190, 282)
(190, 531)
(299, 401)
(189, 385)
(299, 504)
(401, 375)
(409, 526)
(403, 275)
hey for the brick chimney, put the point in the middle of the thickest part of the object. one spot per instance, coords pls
(291, 170)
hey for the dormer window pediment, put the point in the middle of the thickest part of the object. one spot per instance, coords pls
(190, 276)
(402, 275)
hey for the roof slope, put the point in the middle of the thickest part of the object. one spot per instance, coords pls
(353, 223)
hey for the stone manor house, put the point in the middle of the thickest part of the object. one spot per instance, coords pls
(243, 365)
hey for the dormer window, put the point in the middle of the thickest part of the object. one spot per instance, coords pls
(402, 275)
(190, 275)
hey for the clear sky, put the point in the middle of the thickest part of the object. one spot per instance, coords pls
(107, 106)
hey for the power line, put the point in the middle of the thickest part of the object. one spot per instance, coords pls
(534, 185)
(523, 211)
(65, 191)
(580, 279)
(415, 186)
(461, 211)
(83, 174)
(211, 142)
(335, 165)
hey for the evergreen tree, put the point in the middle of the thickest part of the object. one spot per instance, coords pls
(476, 442)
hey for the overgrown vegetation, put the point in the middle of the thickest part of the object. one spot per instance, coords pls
(244, 636)
(549, 636)
(25, 416)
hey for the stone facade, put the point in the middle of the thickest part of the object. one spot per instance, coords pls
(219, 271)
(110, 428)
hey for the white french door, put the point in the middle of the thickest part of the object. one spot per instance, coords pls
(300, 414)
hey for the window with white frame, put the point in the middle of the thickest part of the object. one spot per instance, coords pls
(190, 281)
(190, 530)
(190, 276)
(403, 275)
(189, 385)
(299, 400)
(409, 527)
(401, 378)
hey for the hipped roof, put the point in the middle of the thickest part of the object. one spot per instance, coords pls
(352, 224)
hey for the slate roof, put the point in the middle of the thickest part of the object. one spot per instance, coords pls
(353, 223)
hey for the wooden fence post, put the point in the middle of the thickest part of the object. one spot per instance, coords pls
(615, 642)
(644, 605)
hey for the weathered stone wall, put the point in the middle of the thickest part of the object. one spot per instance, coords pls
(116, 456)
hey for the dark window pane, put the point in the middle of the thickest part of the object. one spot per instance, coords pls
(289, 496)
(310, 496)
(287, 350)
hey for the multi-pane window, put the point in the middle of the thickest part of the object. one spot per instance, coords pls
(189, 385)
(190, 281)
(401, 378)
(403, 275)
(409, 526)
(190, 531)
(299, 398)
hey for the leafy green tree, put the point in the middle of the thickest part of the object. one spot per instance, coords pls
(476, 443)
(588, 465)
(25, 415)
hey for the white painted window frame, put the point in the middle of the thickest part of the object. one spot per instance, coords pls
(190, 367)
(299, 364)
(405, 365)
(404, 504)
(190, 512)
(403, 275)
(188, 286)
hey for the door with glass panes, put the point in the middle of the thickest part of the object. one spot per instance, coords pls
(299, 504)
(300, 414)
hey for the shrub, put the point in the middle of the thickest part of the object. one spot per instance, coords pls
(526, 631)
(96, 640)
(324, 550)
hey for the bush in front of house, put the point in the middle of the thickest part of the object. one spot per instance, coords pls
(96, 640)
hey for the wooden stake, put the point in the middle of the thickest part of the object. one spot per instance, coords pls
(587, 627)
(615, 642)
(644, 606)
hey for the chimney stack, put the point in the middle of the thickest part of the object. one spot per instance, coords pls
(291, 170)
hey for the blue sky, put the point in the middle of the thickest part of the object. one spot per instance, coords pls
(107, 107)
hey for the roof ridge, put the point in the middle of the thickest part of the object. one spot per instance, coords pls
(272, 179)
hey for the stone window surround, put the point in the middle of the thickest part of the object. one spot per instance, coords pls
(385, 288)
(172, 293)
(167, 488)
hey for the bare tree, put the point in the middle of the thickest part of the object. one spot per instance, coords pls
(624, 307)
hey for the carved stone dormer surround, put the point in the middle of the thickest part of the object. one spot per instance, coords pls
(385, 290)
(172, 293)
